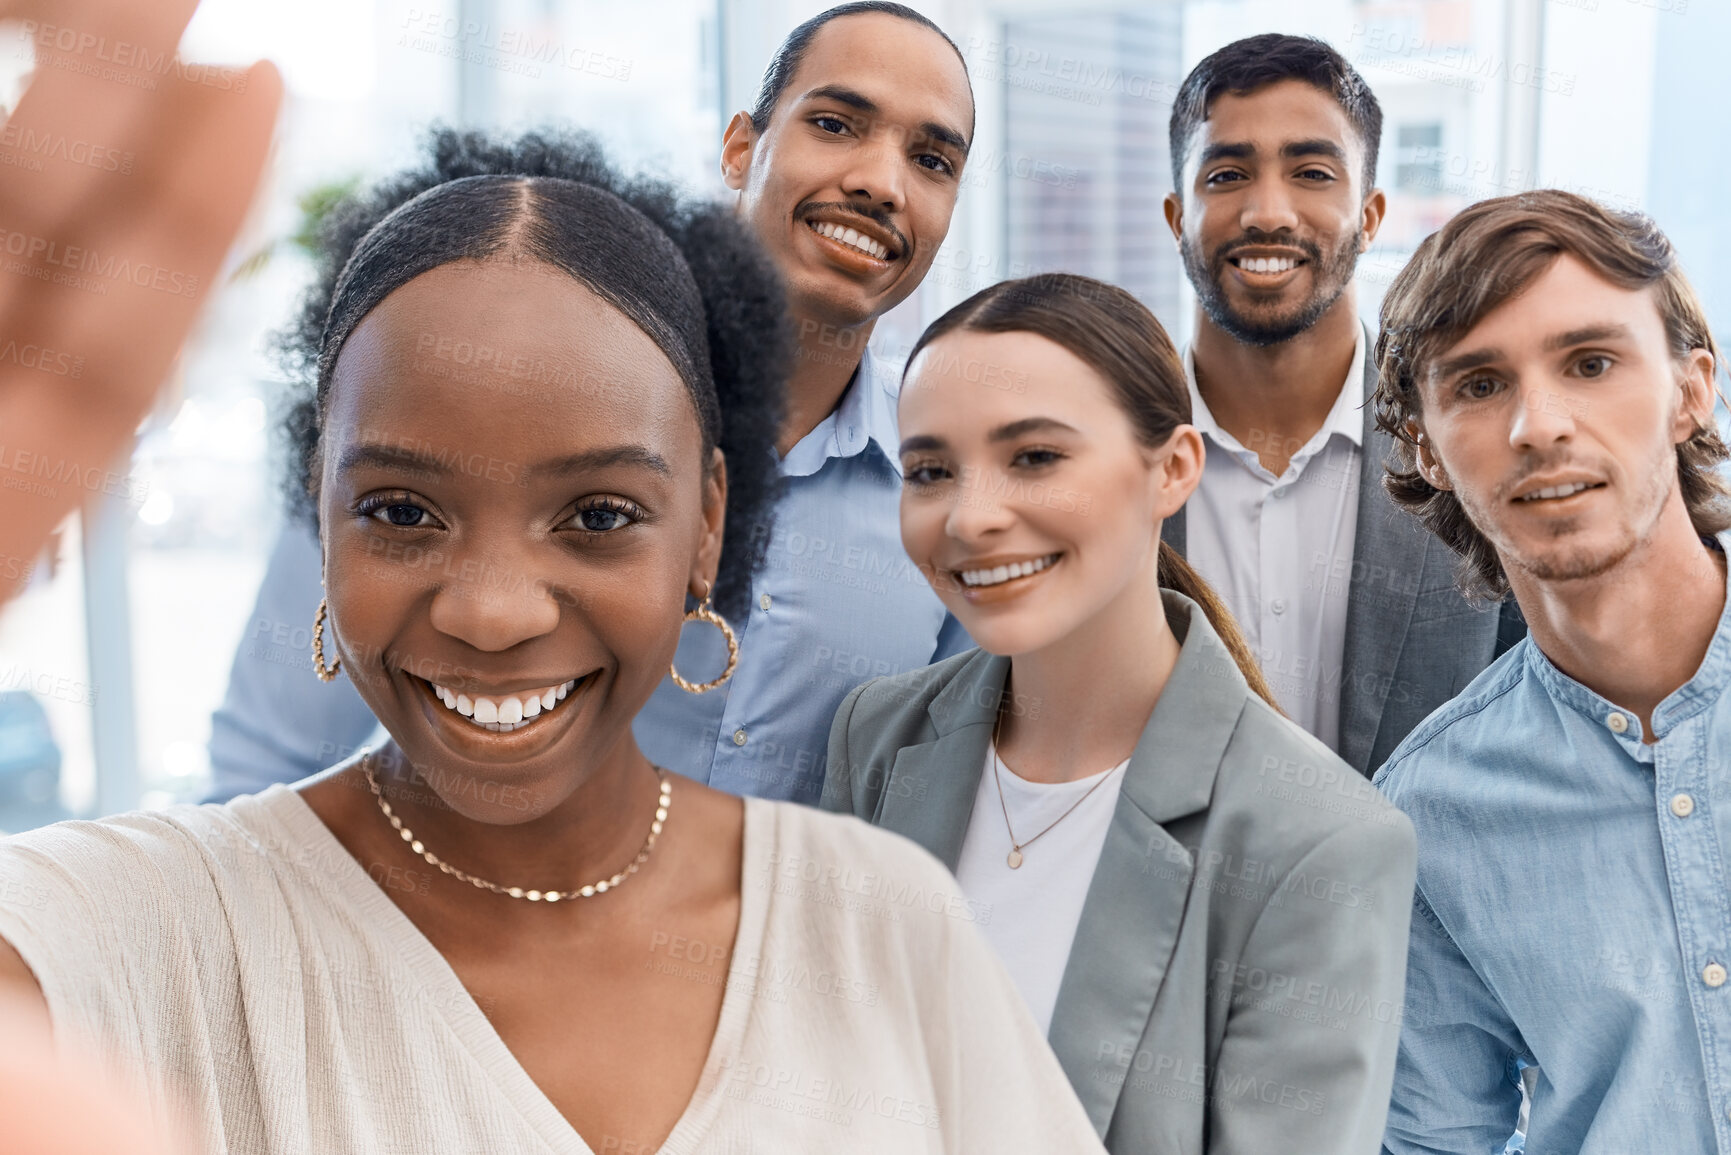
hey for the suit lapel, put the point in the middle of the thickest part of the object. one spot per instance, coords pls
(929, 796)
(1387, 571)
(1136, 901)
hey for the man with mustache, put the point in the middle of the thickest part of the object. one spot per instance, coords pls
(847, 169)
(1548, 373)
(1352, 613)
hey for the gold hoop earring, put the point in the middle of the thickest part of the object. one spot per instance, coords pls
(325, 673)
(705, 614)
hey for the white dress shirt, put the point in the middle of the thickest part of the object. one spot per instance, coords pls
(1278, 550)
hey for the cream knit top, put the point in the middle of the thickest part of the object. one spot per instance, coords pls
(241, 964)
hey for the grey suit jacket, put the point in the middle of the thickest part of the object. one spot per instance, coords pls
(1236, 980)
(1412, 641)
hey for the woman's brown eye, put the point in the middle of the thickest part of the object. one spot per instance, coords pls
(407, 516)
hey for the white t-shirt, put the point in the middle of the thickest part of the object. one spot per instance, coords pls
(1036, 907)
(239, 962)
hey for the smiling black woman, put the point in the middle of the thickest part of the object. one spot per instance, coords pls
(506, 929)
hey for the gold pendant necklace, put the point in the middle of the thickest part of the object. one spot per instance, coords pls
(1014, 858)
(589, 891)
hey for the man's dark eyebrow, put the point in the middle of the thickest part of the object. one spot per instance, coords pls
(944, 135)
(1606, 331)
(855, 99)
(1236, 150)
(842, 94)
(1321, 146)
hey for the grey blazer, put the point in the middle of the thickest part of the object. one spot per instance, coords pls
(1236, 981)
(1412, 641)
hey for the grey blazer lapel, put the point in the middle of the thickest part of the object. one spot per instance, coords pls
(1136, 901)
(1387, 571)
(929, 796)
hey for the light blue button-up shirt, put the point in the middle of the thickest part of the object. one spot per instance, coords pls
(836, 603)
(1572, 912)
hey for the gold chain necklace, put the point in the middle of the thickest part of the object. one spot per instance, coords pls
(594, 888)
(1015, 856)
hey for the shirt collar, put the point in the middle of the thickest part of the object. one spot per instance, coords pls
(1345, 418)
(1702, 689)
(865, 415)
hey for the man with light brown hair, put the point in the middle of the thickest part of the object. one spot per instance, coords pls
(1547, 373)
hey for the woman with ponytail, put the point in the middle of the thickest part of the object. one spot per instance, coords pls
(1203, 906)
(535, 396)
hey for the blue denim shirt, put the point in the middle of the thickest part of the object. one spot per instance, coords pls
(837, 602)
(1572, 912)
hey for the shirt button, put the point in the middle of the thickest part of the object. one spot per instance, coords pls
(1278, 605)
(1682, 805)
(1617, 722)
(1283, 491)
(763, 601)
(739, 737)
(1713, 975)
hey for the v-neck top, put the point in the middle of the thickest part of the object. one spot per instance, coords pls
(243, 967)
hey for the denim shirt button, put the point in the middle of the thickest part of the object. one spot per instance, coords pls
(1682, 805)
(1617, 722)
(739, 740)
(1713, 975)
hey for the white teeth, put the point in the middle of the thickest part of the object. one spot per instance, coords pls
(851, 238)
(1003, 573)
(1556, 491)
(507, 712)
(1266, 264)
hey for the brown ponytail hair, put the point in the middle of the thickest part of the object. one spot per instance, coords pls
(1116, 336)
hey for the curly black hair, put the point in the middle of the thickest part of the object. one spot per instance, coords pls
(689, 275)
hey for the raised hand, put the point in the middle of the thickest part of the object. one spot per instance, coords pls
(105, 263)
